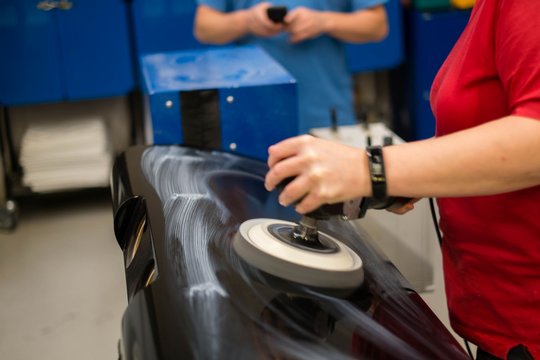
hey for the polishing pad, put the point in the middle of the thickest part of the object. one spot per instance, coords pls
(340, 268)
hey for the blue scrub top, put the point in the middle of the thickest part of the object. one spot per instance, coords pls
(319, 65)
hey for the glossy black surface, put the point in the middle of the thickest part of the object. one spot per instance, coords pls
(191, 297)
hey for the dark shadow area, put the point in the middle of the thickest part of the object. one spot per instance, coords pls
(37, 204)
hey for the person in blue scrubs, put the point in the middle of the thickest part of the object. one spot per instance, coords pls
(310, 44)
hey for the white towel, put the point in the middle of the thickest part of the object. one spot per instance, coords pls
(66, 154)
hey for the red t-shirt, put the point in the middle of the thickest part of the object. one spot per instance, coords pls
(491, 245)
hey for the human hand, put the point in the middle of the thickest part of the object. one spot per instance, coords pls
(324, 172)
(304, 23)
(404, 208)
(258, 22)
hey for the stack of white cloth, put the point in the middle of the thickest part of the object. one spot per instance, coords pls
(67, 154)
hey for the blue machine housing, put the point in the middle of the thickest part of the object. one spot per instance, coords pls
(238, 96)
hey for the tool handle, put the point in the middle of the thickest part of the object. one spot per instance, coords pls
(389, 202)
(322, 213)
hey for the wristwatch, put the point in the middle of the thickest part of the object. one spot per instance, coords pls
(376, 171)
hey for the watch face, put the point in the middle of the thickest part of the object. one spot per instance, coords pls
(377, 169)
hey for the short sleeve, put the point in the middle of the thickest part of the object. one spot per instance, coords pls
(517, 55)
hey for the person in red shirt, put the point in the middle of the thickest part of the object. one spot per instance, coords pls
(483, 166)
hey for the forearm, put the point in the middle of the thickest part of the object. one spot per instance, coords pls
(360, 26)
(497, 157)
(214, 27)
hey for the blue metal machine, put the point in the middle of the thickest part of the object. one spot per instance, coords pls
(236, 99)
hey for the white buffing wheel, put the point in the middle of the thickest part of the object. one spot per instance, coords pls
(341, 269)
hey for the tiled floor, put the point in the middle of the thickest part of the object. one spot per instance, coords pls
(62, 289)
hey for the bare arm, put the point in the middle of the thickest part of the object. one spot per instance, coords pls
(360, 26)
(497, 157)
(216, 27)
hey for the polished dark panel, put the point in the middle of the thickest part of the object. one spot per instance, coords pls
(206, 303)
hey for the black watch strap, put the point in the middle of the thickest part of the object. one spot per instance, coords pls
(376, 171)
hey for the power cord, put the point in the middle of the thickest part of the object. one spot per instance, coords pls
(435, 222)
(439, 238)
(468, 349)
